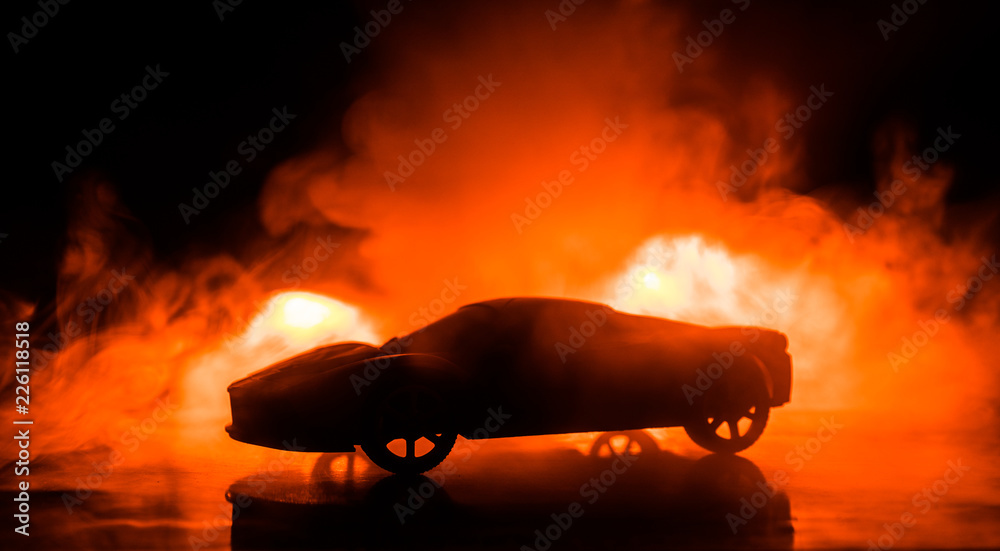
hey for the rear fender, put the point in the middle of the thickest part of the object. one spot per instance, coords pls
(757, 365)
(771, 356)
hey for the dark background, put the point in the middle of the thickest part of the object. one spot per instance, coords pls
(225, 76)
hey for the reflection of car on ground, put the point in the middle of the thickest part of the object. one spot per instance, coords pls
(517, 367)
(505, 493)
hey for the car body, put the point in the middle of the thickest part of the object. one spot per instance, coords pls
(517, 367)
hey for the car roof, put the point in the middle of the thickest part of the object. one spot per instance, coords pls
(500, 304)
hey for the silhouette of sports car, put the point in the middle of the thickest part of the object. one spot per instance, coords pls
(517, 367)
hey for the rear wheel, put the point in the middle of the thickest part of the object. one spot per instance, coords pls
(731, 414)
(406, 431)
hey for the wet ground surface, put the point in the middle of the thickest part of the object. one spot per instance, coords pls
(814, 480)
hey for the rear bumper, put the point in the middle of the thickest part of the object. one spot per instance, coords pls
(781, 378)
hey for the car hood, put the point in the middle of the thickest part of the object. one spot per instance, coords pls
(303, 367)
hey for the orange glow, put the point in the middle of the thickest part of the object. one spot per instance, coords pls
(680, 277)
(287, 324)
(304, 312)
(303, 318)
(686, 278)
(642, 227)
(651, 280)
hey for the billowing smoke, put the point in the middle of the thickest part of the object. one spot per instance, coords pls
(489, 154)
(493, 150)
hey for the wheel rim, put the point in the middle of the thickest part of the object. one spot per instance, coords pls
(732, 416)
(631, 442)
(406, 434)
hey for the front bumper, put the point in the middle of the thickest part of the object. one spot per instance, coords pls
(308, 444)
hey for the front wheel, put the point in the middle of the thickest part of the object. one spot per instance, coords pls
(731, 414)
(405, 433)
(629, 442)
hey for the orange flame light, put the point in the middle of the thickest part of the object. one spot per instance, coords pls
(305, 320)
(288, 324)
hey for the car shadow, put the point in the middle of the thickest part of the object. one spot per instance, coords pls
(612, 497)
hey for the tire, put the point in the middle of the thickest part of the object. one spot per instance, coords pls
(409, 413)
(715, 423)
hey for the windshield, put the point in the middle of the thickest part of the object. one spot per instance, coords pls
(468, 325)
